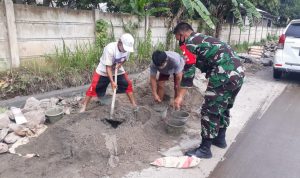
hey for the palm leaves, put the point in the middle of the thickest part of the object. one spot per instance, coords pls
(193, 6)
(138, 7)
(237, 14)
(250, 11)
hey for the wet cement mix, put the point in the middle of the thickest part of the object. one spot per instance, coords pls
(88, 145)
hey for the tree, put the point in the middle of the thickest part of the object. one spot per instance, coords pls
(271, 6)
(213, 12)
(289, 9)
(197, 6)
(77, 4)
(138, 7)
(220, 9)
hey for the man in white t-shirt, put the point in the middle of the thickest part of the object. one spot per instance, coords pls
(113, 56)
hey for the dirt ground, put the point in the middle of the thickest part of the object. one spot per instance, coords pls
(85, 145)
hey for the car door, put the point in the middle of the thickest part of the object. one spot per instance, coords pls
(292, 44)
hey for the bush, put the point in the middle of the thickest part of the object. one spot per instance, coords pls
(240, 48)
(269, 37)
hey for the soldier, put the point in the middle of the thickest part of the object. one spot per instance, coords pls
(225, 74)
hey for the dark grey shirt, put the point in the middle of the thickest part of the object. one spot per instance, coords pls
(174, 65)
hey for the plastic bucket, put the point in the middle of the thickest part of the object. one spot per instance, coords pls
(54, 114)
(180, 116)
(175, 127)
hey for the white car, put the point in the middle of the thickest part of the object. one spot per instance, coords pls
(287, 57)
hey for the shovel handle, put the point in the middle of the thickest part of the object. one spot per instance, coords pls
(114, 96)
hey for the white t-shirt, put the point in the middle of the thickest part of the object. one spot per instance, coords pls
(110, 57)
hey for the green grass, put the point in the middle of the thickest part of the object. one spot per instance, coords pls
(272, 37)
(241, 48)
(82, 58)
(144, 50)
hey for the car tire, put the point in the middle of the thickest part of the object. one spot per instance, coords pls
(277, 74)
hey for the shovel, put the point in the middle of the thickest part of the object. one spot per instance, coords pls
(114, 96)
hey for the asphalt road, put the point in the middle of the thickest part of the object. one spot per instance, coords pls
(268, 147)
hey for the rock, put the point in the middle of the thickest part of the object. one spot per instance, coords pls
(10, 115)
(78, 98)
(11, 138)
(18, 129)
(267, 54)
(267, 61)
(31, 104)
(246, 58)
(18, 115)
(60, 98)
(3, 148)
(35, 118)
(67, 110)
(63, 102)
(3, 133)
(4, 120)
(54, 101)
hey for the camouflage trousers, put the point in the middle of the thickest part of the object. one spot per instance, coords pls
(215, 111)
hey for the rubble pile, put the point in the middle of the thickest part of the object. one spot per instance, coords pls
(18, 125)
(268, 53)
(260, 54)
(256, 51)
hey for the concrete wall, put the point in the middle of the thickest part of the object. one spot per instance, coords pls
(158, 26)
(119, 21)
(40, 30)
(4, 50)
(250, 34)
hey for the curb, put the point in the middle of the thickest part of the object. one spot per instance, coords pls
(68, 92)
(20, 101)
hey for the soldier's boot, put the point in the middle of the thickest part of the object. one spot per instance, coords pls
(219, 140)
(203, 151)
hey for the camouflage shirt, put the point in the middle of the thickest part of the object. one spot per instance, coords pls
(215, 58)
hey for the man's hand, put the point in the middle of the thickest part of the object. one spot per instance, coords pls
(118, 65)
(113, 85)
(156, 98)
(177, 102)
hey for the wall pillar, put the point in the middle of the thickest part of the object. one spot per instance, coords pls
(12, 34)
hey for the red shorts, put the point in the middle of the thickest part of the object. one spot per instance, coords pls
(100, 83)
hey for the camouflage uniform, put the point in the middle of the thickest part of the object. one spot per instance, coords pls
(225, 74)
